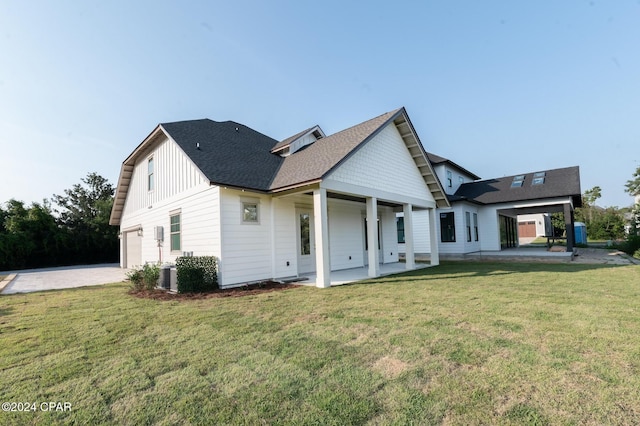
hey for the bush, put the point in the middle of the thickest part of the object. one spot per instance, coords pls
(145, 277)
(631, 245)
(637, 254)
(197, 274)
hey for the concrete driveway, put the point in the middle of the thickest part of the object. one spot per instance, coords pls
(30, 280)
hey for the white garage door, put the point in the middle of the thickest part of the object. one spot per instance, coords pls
(133, 249)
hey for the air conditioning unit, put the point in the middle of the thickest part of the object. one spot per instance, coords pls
(158, 233)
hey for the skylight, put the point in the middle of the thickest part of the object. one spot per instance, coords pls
(538, 178)
(518, 181)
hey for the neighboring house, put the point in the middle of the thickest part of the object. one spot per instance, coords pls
(272, 209)
(488, 215)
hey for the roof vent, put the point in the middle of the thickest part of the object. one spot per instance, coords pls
(197, 145)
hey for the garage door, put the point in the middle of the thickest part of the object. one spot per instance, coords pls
(133, 249)
(527, 229)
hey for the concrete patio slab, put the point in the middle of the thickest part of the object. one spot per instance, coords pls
(346, 276)
(27, 281)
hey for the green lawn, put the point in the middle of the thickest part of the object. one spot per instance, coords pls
(463, 343)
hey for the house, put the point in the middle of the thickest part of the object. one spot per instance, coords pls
(269, 209)
(489, 215)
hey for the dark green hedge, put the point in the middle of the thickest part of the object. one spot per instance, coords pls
(197, 274)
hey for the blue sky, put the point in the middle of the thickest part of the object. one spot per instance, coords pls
(499, 87)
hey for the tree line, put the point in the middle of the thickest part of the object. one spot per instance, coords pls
(69, 229)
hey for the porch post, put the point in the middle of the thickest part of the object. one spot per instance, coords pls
(321, 224)
(372, 236)
(569, 226)
(433, 238)
(409, 249)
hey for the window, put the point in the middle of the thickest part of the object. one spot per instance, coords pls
(305, 234)
(537, 181)
(475, 226)
(449, 179)
(150, 183)
(460, 180)
(400, 228)
(447, 228)
(250, 212)
(467, 221)
(175, 232)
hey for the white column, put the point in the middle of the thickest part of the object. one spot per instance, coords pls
(321, 224)
(433, 237)
(409, 249)
(372, 236)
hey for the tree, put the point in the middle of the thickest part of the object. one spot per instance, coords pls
(84, 212)
(589, 203)
(29, 236)
(633, 185)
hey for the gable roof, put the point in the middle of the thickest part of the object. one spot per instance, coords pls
(234, 155)
(228, 153)
(316, 161)
(436, 160)
(563, 182)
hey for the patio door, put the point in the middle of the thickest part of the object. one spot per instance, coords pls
(306, 241)
(366, 243)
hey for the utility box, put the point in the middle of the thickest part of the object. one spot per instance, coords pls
(580, 232)
(158, 233)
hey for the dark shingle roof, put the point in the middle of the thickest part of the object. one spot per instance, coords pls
(558, 183)
(227, 157)
(436, 159)
(316, 160)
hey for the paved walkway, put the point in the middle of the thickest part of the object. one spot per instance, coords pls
(31, 280)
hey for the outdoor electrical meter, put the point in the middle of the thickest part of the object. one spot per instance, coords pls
(158, 232)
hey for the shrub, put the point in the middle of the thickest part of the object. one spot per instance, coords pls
(145, 277)
(637, 254)
(197, 274)
(631, 245)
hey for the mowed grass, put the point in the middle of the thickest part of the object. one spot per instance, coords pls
(463, 343)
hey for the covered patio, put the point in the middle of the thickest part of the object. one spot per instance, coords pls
(347, 276)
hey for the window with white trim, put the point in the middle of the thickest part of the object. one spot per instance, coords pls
(250, 212)
(449, 178)
(175, 231)
(467, 221)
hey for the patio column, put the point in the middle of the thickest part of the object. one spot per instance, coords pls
(321, 224)
(410, 258)
(569, 226)
(372, 236)
(433, 238)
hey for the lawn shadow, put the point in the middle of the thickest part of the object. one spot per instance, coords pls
(6, 311)
(457, 270)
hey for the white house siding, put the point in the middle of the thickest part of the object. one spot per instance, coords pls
(441, 171)
(285, 244)
(489, 228)
(421, 235)
(178, 185)
(346, 234)
(174, 173)
(246, 247)
(200, 219)
(384, 164)
(389, 235)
